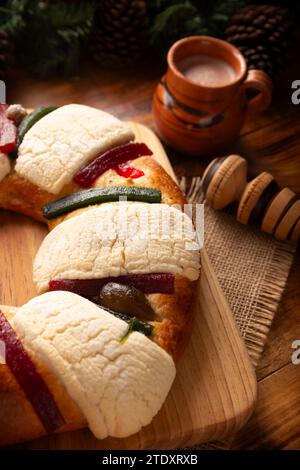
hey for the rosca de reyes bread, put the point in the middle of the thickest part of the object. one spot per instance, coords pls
(61, 143)
(83, 371)
(116, 275)
(88, 250)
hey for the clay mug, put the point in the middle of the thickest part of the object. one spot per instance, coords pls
(204, 119)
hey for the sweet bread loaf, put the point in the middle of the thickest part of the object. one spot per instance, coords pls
(81, 372)
(115, 308)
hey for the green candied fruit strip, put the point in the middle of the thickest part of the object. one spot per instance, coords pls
(97, 196)
(137, 325)
(134, 324)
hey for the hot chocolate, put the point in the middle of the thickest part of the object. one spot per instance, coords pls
(206, 70)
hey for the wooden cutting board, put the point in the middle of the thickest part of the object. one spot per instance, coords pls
(215, 389)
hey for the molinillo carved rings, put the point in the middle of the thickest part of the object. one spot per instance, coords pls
(261, 202)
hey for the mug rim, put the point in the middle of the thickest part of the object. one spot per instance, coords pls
(218, 42)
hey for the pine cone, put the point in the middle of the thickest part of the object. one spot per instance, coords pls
(262, 33)
(120, 34)
(6, 55)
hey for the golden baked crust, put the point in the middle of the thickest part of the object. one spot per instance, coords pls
(176, 312)
(19, 195)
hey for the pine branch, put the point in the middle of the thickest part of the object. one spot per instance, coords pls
(174, 22)
(12, 16)
(54, 36)
(220, 13)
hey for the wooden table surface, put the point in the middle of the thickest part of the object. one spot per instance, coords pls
(271, 142)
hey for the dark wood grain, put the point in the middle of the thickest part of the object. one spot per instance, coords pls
(276, 420)
(271, 142)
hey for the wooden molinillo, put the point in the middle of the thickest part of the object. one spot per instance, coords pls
(261, 202)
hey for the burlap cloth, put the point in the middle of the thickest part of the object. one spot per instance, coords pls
(252, 269)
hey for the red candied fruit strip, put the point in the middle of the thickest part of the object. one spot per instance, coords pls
(156, 283)
(128, 171)
(110, 159)
(8, 131)
(26, 374)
